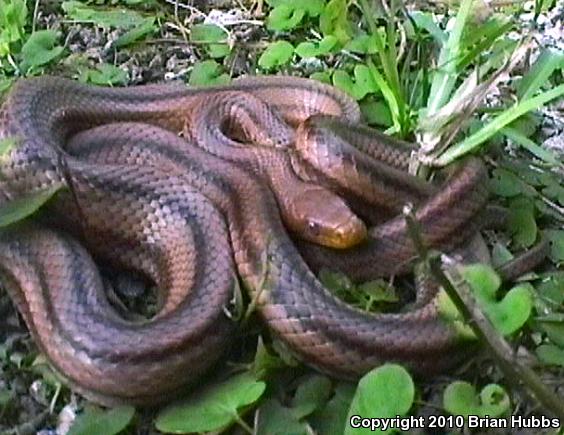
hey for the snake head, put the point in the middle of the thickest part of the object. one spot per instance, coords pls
(322, 217)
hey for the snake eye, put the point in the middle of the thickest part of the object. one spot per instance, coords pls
(314, 228)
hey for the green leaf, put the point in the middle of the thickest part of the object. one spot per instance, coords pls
(495, 400)
(212, 35)
(450, 314)
(18, 209)
(460, 398)
(362, 85)
(556, 239)
(379, 291)
(384, 392)
(311, 395)
(554, 191)
(213, 408)
(104, 75)
(141, 30)
(5, 84)
(40, 49)
(527, 124)
(483, 280)
(265, 362)
(276, 419)
(284, 17)
(511, 313)
(506, 183)
(322, 76)
(507, 315)
(312, 7)
(208, 73)
(375, 112)
(94, 421)
(123, 18)
(553, 327)
(310, 49)
(333, 21)
(13, 18)
(551, 354)
(332, 419)
(276, 54)
(362, 44)
(343, 81)
(288, 14)
(521, 221)
(548, 61)
(552, 289)
(336, 282)
(428, 22)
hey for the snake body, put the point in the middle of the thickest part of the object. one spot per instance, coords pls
(193, 220)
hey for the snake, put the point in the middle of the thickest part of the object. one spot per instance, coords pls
(197, 220)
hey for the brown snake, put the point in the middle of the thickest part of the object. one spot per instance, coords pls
(192, 222)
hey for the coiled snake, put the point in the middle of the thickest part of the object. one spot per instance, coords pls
(195, 213)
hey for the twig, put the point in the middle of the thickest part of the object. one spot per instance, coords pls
(460, 293)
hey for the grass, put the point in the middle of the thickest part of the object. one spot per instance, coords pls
(458, 80)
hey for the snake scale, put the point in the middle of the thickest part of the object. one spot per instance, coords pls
(194, 215)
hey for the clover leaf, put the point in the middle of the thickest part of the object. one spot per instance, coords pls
(461, 398)
(284, 17)
(310, 49)
(507, 315)
(310, 395)
(556, 239)
(334, 21)
(40, 49)
(551, 354)
(103, 17)
(288, 14)
(505, 183)
(362, 44)
(214, 408)
(385, 392)
(522, 221)
(332, 418)
(214, 36)
(104, 75)
(362, 84)
(276, 54)
(94, 421)
(207, 73)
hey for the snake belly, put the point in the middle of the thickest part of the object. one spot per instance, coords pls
(150, 200)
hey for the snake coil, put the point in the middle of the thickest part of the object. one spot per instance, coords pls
(193, 221)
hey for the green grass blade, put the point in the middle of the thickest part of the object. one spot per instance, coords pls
(538, 74)
(388, 94)
(472, 142)
(522, 140)
(445, 77)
